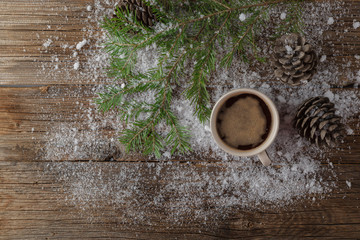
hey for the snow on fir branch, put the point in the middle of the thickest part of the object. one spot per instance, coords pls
(187, 34)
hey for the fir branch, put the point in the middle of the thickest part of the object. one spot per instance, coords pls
(227, 60)
(293, 22)
(187, 31)
(178, 136)
(142, 135)
(235, 10)
(220, 3)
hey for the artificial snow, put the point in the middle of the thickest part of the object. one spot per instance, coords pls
(349, 131)
(282, 16)
(330, 20)
(47, 43)
(167, 155)
(242, 17)
(323, 58)
(281, 99)
(76, 65)
(81, 44)
(188, 189)
(348, 183)
(356, 25)
(289, 50)
(329, 95)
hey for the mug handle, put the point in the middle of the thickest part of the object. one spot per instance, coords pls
(264, 158)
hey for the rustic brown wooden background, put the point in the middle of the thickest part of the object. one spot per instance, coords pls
(28, 206)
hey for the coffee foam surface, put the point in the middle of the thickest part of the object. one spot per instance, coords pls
(243, 123)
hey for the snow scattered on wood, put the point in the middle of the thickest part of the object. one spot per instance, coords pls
(207, 191)
(330, 20)
(81, 44)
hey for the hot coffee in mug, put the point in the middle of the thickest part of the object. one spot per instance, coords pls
(244, 122)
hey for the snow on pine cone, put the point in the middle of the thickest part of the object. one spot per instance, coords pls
(142, 11)
(293, 59)
(316, 120)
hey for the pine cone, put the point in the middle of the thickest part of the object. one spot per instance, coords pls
(142, 11)
(316, 120)
(294, 60)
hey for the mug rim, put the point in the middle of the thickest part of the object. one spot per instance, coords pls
(274, 128)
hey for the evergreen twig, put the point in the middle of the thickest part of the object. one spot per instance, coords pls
(187, 31)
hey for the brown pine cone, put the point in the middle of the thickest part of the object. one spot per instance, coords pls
(316, 120)
(142, 11)
(294, 60)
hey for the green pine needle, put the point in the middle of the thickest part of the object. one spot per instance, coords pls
(190, 32)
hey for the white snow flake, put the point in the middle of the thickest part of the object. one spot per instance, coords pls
(330, 20)
(242, 17)
(282, 16)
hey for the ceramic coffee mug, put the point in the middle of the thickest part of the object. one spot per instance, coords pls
(271, 134)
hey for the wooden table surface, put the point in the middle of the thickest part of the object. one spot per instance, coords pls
(29, 196)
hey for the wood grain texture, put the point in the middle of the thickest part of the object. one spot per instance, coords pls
(30, 207)
(45, 107)
(32, 200)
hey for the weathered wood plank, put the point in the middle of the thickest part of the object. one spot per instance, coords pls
(26, 121)
(23, 38)
(33, 205)
(32, 199)
(25, 26)
(28, 115)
